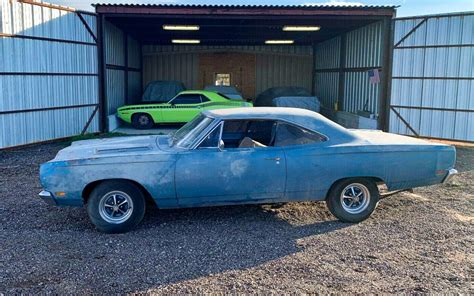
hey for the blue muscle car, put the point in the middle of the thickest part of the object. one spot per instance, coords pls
(241, 156)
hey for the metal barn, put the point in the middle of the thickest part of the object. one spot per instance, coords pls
(64, 72)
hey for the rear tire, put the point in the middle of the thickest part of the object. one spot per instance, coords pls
(142, 121)
(353, 200)
(116, 206)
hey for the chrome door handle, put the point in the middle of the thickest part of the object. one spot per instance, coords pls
(273, 158)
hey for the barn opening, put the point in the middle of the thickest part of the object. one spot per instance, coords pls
(340, 54)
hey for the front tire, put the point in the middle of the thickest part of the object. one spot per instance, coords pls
(142, 121)
(116, 206)
(353, 200)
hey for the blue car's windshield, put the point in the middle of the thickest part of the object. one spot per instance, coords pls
(185, 136)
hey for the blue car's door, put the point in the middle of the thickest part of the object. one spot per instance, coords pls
(308, 162)
(235, 175)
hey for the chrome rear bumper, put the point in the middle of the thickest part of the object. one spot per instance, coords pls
(450, 175)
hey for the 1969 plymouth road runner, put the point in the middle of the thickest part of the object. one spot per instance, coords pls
(241, 156)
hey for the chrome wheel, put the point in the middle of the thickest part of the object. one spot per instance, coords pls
(355, 198)
(116, 207)
(143, 120)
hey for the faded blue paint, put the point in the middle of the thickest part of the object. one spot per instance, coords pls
(177, 177)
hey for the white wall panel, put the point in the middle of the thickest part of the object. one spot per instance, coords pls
(31, 127)
(433, 71)
(40, 74)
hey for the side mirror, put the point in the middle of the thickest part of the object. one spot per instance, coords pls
(221, 145)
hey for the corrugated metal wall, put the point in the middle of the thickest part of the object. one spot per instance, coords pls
(362, 51)
(179, 66)
(275, 65)
(48, 73)
(433, 77)
(327, 58)
(123, 68)
(281, 70)
(115, 67)
(134, 73)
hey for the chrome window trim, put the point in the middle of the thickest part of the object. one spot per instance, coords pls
(192, 146)
(206, 132)
(179, 95)
(222, 122)
(324, 137)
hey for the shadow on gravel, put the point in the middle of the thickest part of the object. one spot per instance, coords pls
(168, 247)
(464, 159)
(186, 244)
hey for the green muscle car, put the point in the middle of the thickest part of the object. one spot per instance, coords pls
(182, 108)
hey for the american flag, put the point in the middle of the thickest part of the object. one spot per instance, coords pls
(374, 76)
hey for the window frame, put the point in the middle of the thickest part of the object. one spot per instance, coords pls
(179, 95)
(217, 74)
(198, 137)
(204, 99)
(221, 122)
(219, 125)
(323, 137)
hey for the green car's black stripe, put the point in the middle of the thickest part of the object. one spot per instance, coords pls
(208, 104)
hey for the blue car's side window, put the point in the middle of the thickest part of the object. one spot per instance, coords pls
(212, 139)
(290, 135)
(248, 133)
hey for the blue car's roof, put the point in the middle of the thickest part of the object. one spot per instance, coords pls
(305, 118)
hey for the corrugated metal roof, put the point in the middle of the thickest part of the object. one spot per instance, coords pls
(309, 6)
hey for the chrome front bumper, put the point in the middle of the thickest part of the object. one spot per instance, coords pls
(450, 175)
(47, 197)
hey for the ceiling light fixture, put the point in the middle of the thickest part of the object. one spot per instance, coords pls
(301, 28)
(181, 27)
(186, 41)
(279, 41)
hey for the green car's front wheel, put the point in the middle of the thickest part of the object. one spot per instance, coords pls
(142, 121)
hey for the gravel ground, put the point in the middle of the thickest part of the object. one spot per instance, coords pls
(414, 243)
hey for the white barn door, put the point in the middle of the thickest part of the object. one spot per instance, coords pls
(48, 72)
(433, 77)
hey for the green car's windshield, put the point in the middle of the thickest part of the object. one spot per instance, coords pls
(185, 136)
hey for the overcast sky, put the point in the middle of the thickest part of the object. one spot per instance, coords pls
(407, 7)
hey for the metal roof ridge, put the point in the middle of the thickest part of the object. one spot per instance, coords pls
(315, 5)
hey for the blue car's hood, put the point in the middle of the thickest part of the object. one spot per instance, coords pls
(121, 146)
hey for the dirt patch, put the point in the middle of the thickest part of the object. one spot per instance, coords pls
(419, 242)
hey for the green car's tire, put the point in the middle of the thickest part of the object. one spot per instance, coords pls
(142, 121)
(353, 200)
(116, 206)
